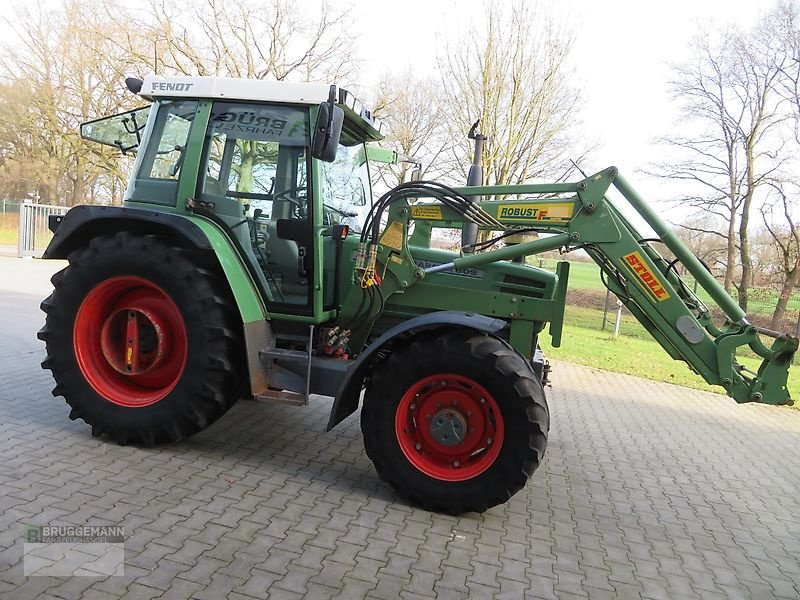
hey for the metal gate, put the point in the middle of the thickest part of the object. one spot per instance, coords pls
(33, 232)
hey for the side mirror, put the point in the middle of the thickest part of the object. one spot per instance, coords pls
(416, 174)
(328, 129)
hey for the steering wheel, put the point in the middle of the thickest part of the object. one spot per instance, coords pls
(287, 195)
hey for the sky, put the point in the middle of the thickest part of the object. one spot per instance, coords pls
(621, 58)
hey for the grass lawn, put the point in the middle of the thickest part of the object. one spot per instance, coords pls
(582, 275)
(634, 352)
(8, 236)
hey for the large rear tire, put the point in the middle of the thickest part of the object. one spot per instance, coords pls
(455, 422)
(143, 342)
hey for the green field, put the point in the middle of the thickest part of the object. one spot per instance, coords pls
(8, 236)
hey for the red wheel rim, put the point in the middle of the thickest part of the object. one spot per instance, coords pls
(130, 341)
(449, 427)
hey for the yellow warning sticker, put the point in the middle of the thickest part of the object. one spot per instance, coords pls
(393, 236)
(423, 211)
(539, 211)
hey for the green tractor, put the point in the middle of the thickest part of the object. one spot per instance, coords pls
(250, 259)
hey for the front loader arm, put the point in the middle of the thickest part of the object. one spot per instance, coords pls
(579, 215)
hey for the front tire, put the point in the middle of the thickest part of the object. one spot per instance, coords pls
(142, 340)
(455, 422)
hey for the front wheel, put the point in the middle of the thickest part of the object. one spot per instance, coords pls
(142, 340)
(455, 422)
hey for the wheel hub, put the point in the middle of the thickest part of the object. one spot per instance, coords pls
(133, 340)
(448, 427)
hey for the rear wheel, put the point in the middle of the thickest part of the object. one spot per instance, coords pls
(142, 341)
(455, 422)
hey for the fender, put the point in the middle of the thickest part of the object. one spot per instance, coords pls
(346, 401)
(82, 223)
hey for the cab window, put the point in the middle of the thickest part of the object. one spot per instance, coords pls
(159, 165)
(345, 187)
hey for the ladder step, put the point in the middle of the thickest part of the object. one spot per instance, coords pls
(278, 353)
(281, 397)
(292, 337)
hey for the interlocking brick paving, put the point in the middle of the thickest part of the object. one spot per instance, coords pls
(647, 491)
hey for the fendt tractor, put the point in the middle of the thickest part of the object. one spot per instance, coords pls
(249, 259)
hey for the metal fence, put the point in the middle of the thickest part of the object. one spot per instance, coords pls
(34, 234)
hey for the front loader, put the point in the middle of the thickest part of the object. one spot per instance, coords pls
(250, 259)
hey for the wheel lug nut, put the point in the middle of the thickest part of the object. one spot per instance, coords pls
(413, 407)
(489, 441)
(418, 446)
(469, 413)
(456, 464)
(483, 400)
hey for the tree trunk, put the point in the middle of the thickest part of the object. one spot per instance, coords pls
(730, 265)
(744, 240)
(791, 281)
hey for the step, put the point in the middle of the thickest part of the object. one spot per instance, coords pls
(281, 397)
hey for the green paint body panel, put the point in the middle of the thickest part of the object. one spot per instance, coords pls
(251, 305)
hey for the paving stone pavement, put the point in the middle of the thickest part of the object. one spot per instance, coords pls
(647, 491)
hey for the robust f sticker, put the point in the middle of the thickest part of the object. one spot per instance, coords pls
(535, 212)
(647, 280)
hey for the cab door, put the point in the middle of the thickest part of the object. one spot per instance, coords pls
(257, 161)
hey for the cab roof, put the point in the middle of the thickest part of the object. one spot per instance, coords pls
(257, 90)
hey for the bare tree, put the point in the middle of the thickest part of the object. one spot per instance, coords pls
(273, 39)
(783, 25)
(783, 28)
(728, 96)
(411, 109)
(786, 240)
(58, 72)
(701, 235)
(513, 73)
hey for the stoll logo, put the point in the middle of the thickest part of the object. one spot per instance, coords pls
(651, 284)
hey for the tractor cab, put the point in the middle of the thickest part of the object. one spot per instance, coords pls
(277, 164)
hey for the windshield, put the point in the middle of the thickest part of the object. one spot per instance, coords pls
(345, 187)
